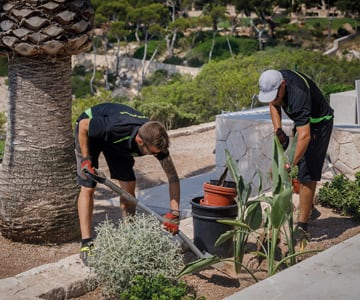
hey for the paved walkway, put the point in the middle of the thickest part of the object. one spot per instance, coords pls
(331, 274)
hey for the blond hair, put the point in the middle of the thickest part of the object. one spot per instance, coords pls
(153, 133)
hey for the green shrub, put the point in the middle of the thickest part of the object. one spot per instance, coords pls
(80, 86)
(131, 37)
(200, 37)
(157, 288)
(329, 89)
(167, 113)
(137, 247)
(79, 70)
(200, 54)
(79, 105)
(324, 22)
(80, 81)
(342, 32)
(151, 47)
(342, 194)
(160, 77)
(174, 60)
(195, 60)
(282, 21)
(156, 78)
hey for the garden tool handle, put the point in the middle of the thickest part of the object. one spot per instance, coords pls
(101, 178)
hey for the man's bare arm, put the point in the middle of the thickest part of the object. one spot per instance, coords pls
(275, 113)
(303, 141)
(174, 183)
(83, 137)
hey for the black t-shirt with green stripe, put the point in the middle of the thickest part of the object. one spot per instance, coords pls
(303, 101)
(116, 125)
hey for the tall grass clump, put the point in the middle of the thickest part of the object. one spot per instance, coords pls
(137, 247)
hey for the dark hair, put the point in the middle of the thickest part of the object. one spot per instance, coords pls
(153, 133)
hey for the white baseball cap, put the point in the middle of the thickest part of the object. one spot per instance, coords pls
(269, 83)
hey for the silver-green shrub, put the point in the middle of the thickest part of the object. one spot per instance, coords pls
(137, 247)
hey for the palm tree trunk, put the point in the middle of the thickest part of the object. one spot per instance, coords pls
(38, 189)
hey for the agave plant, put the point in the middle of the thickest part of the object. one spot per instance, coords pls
(249, 217)
(279, 212)
(278, 218)
(248, 220)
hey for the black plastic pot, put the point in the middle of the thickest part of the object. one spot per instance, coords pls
(207, 230)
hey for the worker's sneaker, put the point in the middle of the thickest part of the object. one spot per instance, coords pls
(86, 251)
(301, 237)
(314, 214)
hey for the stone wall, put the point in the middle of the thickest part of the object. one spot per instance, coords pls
(128, 64)
(344, 149)
(248, 135)
(338, 42)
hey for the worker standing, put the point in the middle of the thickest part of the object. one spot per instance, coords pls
(302, 101)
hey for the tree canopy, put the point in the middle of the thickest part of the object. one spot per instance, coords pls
(229, 85)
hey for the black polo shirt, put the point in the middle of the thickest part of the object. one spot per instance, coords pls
(115, 126)
(303, 101)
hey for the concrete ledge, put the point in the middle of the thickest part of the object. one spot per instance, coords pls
(64, 279)
(191, 129)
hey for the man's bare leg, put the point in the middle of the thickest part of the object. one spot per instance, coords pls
(85, 211)
(307, 193)
(127, 208)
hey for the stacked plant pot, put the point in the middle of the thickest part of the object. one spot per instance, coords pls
(217, 203)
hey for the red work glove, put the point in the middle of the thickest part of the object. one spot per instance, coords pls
(86, 166)
(171, 221)
(283, 138)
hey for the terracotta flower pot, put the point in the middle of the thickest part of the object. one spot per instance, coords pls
(296, 185)
(215, 195)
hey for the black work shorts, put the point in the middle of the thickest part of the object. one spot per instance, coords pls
(120, 164)
(311, 165)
